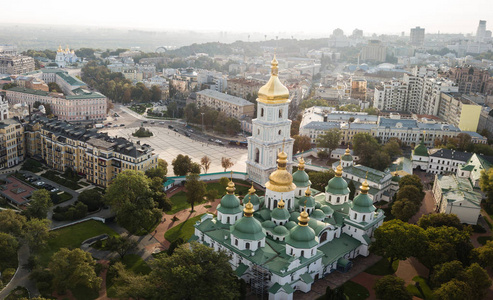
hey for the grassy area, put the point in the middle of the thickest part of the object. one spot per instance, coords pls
(355, 291)
(146, 231)
(56, 177)
(382, 268)
(83, 183)
(183, 230)
(64, 197)
(18, 293)
(483, 239)
(71, 237)
(179, 201)
(131, 262)
(424, 287)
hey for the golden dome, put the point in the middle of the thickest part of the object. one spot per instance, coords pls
(303, 218)
(281, 180)
(231, 187)
(281, 204)
(301, 164)
(364, 187)
(252, 190)
(308, 192)
(248, 210)
(348, 152)
(339, 170)
(273, 91)
(59, 48)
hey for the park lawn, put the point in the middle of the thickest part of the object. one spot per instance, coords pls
(64, 197)
(183, 230)
(484, 239)
(72, 236)
(424, 286)
(179, 201)
(355, 291)
(382, 268)
(132, 262)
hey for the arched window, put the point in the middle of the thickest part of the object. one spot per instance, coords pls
(280, 113)
(247, 245)
(364, 217)
(257, 155)
(323, 238)
(279, 132)
(338, 199)
(262, 112)
(275, 203)
(302, 252)
(330, 197)
(227, 220)
(259, 244)
(236, 242)
(355, 215)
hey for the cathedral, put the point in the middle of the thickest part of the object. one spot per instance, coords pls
(65, 57)
(284, 241)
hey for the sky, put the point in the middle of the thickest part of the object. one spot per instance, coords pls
(308, 16)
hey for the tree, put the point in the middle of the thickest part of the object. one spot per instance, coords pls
(464, 140)
(412, 193)
(478, 279)
(130, 197)
(404, 209)
(160, 171)
(411, 180)
(224, 181)
(301, 143)
(380, 160)
(205, 162)
(195, 168)
(484, 255)
(352, 189)
(121, 245)
(365, 146)
(182, 165)
(392, 148)
(453, 290)
(226, 163)
(92, 198)
(11, 222)
(437, 220)
(130, 284)
(446, 272)
(330, 139)
(195, 189)
(398, 240)
(320, 179)
(39, 205)
(391, 288)
(8, 249)
(36, 233)
(72, 268)
(211, 195)
(486, 185)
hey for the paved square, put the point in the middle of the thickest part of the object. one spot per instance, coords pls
(168, 144)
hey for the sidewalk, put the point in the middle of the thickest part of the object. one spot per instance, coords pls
(21, 277)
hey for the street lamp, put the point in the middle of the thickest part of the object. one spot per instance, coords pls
(202, 121)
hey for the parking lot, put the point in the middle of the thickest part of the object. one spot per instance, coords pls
(168, 144)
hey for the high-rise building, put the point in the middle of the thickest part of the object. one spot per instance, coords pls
(271, 129)
(470, 79)
(375, 51)
(481, 31)
(16, 64)
(417, 36)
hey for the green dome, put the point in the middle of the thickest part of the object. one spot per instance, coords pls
(253, 198)
(363, 204)
(347, 157)
(294, 216)
(268, 224)
(421, 150)
(301, 179)
(318, 214)
(248, 228)
(281, 230)
(327, 210)
(307, 201)
(302, 237)
(290, 225)
(230, 204)
(337, 186)
(318, 205)
(280, 214)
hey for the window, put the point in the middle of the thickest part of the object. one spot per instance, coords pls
(247, 245)
(338, 199)
(227, 220)
(355, 215)
(280, 113)
(364, 218)
(257, 155)
(262, 112)
(236, 242)
(302, 252)
(279, 132)
(259, 244)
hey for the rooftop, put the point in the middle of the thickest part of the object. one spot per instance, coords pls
(225, 97)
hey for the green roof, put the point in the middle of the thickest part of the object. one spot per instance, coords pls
(248, 228)
(241, 269)
(252, 198)
(343, 262)
(280, 213)
(281, 230)
(301, 179)
(468, 168)
(302, 237)
(318, 214)
(327, 209)
(362, 204)
(28, 91)
(307, 278)
(70, 79)
(230, 204)
(307, 201)
(347, 157)
(337, 248)
(362, 171)
(337, 186)
(421, 150)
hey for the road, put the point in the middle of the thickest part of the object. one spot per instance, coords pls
(21, 277)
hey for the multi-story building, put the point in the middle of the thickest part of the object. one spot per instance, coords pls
(469, 79)
(212, 80)
(474, 166)
(16, 64)
(459, 111)
(4, 108)
(243, 88)
(97, 156)
(232, 106)
(455, 195)
(447, 161)
(12, 148)
(358, 89)
(430, 95)
(391, 96)
(481, 31)
(417, 37)
(375, 51)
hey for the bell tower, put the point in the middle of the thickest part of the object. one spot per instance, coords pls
(270, 130)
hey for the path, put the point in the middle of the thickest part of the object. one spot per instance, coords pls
(21, 277)
(427, 207)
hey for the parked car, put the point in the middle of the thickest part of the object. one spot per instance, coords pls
(152, 122)
(40, 183)
(187, 134)
(161, 123)
(175, 130)
(145, 122)
(116, 125)
(170, 126)
(54, 190)
(121, 125)
(211, 140)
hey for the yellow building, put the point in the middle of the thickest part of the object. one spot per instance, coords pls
(95, 155)
(12, 149)
(457, 110)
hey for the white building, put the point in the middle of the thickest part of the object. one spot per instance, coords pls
(447, 161)
(64, 57)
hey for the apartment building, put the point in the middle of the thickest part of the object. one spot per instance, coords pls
(12, 148)
(16, 64)
(459, 111)
(469, 79)
(391, 96)
(242, 87)
(447, 161)
(232, 106)
(417, 36)
(97, 156)
(374, 51)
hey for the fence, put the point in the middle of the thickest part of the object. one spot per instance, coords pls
(79, 221)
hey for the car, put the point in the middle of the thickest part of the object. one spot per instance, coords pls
(32, 179)
(152, 122)
(121, 125)
(145, 122)
(211, 140)
(190, 130)
(161, 123)
(170, 126)
(187, 134)
(116, 125)
(218, 141)
(54, 190)
(175, 130)
(40, 183)
(110, 123)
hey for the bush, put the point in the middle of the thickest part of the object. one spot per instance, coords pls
(478, 229)
(92, 199)
(32, 165)
(142, 132)
(322, 154)
(8, 274)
